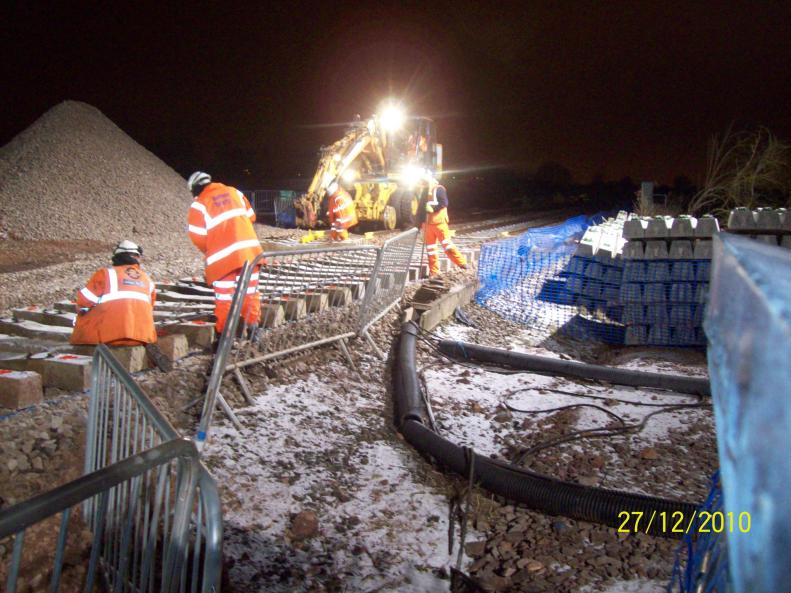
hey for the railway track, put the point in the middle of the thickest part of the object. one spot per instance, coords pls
(341, 276)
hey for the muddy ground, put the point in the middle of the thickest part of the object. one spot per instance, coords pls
(321, 494)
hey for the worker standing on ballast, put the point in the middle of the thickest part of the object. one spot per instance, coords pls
(433, 218)
(343, 212)
(221, 226)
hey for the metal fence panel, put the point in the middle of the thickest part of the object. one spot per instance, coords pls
(386, 285)
(308, 297)
(122, 422)
(285, 213)
(131, 547)
(262, 200)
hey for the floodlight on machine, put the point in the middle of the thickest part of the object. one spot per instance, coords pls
(392, 117)
(349, 175)
(411, 175)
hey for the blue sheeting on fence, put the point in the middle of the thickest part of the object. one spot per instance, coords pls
(537, 280)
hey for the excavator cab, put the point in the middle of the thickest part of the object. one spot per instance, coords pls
(380, 162)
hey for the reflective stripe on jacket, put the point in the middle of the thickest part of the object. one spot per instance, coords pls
(221, 225)
(120, 304)
(343, 212)
(438, 200)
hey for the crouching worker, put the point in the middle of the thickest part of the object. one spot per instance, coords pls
(116, 306)
(343, 212)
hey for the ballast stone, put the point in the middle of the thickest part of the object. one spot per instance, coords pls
(19, 389)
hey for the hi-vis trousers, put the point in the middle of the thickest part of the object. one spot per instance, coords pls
(223, 295)
(437, 237)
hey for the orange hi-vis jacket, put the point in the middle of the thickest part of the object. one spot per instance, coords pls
(440, 205)
(120, 308)
(221, 226)
(343, 212)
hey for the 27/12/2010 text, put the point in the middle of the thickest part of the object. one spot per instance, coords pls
(677, 522)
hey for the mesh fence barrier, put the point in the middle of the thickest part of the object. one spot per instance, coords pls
(702, 559)
(537, 279)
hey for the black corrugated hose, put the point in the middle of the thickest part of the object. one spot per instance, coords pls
(538, 492)
(568, 368)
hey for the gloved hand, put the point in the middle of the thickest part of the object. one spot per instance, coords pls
(429, 208)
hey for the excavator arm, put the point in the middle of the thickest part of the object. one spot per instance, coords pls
(334, 160)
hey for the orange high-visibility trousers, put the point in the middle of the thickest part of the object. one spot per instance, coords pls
(224, 289)
(437, 238)
(339, 235)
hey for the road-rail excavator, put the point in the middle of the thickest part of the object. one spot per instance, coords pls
(379, 161)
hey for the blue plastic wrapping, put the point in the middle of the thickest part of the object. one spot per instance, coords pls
(748, 324)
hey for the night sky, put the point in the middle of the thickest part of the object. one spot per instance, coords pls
(615, 89)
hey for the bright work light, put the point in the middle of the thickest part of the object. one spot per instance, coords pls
(392, 117)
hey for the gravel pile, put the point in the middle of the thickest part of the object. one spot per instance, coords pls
(73, 174)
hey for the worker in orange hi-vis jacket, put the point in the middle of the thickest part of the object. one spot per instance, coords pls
(116, 305)
(433, 216)
(343, 212)
(221, 226)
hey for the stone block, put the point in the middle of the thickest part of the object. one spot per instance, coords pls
(634, 250)
(34, 330)
(657, 271)
(70, 372)
(682, 315)
(293, 307)
(683, 226)
(681, 249)
(702, 249)
(702, 271)
(132, 358)
(589, 244)
(66, 306)
(632, 292)
(13, 361)
(315, 301)
(19, 389)
(654, 293)
(684, 336)
(741, 218)
(634, 228)
(272, 315)
(44, 316)
(656, 250)
(594, 270)
(707, 226)
(659, 335)
(634, 271)
(339, 296)
(633, 314)
(174, 346)
(574, 284)
(657, 228)
(683, 271)
(576, 265)
(592, 289)
(200, 334)
(767, 218)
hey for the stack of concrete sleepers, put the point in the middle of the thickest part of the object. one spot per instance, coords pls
(665, 279)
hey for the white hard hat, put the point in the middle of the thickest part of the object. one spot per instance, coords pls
(430, 179)
(127, 246)
(332, 188)
(198, 179)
